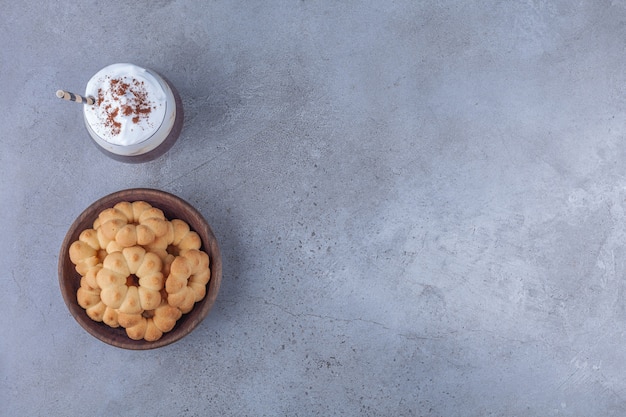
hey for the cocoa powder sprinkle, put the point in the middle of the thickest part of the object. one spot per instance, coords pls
(138, 104)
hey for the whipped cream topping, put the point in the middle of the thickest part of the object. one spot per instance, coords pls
(130, 104)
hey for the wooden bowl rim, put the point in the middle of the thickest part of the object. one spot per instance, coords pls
(117, 336)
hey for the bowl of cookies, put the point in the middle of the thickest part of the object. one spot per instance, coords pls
(139, 269)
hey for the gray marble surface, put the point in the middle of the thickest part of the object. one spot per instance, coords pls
(420, 206)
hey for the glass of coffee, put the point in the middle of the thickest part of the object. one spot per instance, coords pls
(136, 116)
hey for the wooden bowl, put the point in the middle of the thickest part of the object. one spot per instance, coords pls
(174, 208)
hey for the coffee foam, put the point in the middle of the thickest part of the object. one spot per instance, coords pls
(130, 104)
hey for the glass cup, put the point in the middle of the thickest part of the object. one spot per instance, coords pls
(138, 114)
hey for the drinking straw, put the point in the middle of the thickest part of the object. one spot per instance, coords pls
(66, 95)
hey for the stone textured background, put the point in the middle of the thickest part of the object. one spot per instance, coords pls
(420, 206)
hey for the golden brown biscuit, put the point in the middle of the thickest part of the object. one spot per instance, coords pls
(124, 261)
